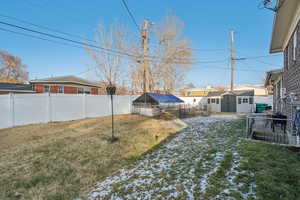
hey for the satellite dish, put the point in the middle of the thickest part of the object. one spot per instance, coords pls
(270, 5)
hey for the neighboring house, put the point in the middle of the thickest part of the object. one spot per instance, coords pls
(259, 90)
(237, 101)
(286, 39)
(6, 88)
(273, 82)
(65, 85)
(202, 92)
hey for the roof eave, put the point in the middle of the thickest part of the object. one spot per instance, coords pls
(71, 82)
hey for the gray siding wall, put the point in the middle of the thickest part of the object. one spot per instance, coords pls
(291, 75)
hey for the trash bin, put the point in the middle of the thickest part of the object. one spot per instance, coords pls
(261, 107)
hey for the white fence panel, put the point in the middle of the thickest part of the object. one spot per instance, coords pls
(267, 100)
(66, 107)
(22, 109)
(29, 109)
(97, 105)
(5, 111)
(121, 104)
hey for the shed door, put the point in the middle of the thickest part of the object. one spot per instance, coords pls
(228, 103)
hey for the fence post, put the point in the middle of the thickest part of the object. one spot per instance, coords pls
(247, 127)
(12, 108)
(84, 105)
(49, 107)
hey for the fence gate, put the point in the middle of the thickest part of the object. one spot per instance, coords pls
(228, 103)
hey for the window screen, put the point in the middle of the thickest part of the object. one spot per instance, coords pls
(46, 88)
(60, 89)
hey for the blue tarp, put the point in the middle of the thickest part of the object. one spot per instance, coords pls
(165, 98)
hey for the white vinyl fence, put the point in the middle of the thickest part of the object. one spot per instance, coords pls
(22, 109)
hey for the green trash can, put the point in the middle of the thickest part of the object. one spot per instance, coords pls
(261, 107)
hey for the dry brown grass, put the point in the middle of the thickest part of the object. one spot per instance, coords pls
(64, 160)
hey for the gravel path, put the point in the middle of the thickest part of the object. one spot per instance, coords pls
(201, 162)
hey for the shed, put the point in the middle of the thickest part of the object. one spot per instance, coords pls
(236, 101)
(157, 99)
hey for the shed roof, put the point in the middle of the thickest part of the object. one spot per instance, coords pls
(237, 93)
(157, 98)
(67, 79)
(16, 87)
(165, 98)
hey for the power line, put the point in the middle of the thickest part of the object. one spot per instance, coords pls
(66, 39)
(228, 69)
(255, 57)
(40, 38)
(45, 27)
(131, 15)
(88, 44)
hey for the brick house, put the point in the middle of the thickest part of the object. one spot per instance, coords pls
(286, 39)
(66, 85)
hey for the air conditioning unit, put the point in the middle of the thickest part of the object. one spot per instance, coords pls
(283, 93)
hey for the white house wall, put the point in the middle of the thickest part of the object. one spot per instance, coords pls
(267, 100)
(193, 101)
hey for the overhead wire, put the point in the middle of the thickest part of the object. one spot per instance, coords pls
(45, 27)
(150, 58)
(131, 15)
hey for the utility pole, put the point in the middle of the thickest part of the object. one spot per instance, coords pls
(145, 43)
(232, 59)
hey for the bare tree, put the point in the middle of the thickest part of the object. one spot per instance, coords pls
(11, 68)
(170, 58)
(108, 63)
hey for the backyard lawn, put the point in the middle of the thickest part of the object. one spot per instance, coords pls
(209, 159)
(64, 160)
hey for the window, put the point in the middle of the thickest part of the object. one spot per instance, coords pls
(245, 100)
(60, 89)
(80, 90)
(208, 101)
(87, 90)
(46, 88)
(213, 100)
(239, 100)
(295, 45)
(217, 101)
(251, 100)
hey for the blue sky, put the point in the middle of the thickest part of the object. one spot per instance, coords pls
(207, 25)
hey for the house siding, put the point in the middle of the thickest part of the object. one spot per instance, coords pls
(70, 90)
(53, 89)
(94, 91)
(291, 74)
(39, 88)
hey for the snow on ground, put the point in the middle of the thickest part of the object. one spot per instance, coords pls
(187, 167)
